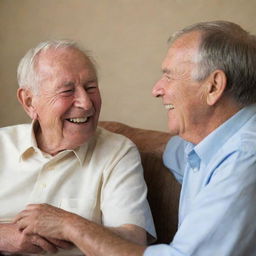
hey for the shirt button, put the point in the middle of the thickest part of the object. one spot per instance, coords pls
(195, 169)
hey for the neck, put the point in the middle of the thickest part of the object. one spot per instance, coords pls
(46, 143)
(217, 115)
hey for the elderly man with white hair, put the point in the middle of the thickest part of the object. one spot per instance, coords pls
(62, 159)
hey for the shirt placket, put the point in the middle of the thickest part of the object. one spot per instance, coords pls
(190, 185)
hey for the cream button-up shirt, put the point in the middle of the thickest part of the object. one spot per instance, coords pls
(101, 180)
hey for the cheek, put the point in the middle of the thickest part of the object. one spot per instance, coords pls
(53, 115)
(99, 104)
(60, 107)
(96, 100)
(184, 98)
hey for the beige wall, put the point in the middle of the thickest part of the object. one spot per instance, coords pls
(127, 38)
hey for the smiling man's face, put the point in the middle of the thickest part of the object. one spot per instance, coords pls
(183, 96)
(68, 104)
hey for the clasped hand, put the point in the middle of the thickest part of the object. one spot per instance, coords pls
(43, 225)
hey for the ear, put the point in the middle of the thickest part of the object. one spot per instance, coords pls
(25, 97)
(216, 85)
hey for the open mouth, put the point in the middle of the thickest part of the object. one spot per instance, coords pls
(79, 120)
(168, 106)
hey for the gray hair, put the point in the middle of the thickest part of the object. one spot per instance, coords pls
(27, 74)
(226, 46)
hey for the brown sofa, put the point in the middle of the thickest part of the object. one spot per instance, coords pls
(163, 189)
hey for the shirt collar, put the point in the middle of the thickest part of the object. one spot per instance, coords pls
(208, 146)
(29, 146)
(81, 152)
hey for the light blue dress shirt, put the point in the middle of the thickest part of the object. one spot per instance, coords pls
(217, 212)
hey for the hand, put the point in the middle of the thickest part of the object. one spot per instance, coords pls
(44, 220)
(12, 240)
(60, 243)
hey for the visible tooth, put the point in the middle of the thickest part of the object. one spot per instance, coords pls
(169, 106)
(78, 120)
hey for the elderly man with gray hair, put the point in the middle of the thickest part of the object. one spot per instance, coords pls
(208, 87)
(62, 159)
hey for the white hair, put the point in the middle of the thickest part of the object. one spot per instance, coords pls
(26, 73)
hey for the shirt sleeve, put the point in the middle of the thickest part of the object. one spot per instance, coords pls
(222, 218)
(124, 192)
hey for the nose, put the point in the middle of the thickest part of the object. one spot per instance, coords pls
(82, 99)
(158, 89)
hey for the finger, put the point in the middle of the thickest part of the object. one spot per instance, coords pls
(26, 212)
(34, 206)
(19, 216)
(26, 228)
(44, 244)
(61, 243)
(34, 249)
(21, 223)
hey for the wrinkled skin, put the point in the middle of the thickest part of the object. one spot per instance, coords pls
(49, 221)
(17, 241)
(43, 219)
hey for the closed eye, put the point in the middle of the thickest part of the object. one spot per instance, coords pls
(67, 92)
(91, 87)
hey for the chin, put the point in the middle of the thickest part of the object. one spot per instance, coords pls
(172, 131)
